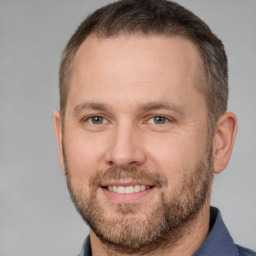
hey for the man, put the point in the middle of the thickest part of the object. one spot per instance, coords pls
(143, 127)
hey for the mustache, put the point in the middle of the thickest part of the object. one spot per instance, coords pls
(133, 173)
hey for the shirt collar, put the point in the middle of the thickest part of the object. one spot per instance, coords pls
(218, 241)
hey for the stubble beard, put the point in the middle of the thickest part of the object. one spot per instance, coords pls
(137, 227)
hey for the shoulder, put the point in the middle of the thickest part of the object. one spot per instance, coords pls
(244, 251)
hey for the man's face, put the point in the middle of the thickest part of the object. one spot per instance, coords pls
(136, 147)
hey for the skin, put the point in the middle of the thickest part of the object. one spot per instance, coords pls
(134, 79)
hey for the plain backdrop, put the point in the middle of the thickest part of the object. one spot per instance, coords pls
(37, 217)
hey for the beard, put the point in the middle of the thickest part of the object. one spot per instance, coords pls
(142, 227)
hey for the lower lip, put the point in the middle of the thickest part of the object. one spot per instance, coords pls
(121, 198)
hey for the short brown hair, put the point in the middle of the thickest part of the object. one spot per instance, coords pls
(160, 18)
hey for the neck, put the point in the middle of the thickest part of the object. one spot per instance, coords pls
(191, 238)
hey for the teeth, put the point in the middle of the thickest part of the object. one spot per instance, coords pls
(137, 188)
(142, 187)
(121, 190)
(128, 189)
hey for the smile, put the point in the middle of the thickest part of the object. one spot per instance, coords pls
(124, 192)
(128, 189)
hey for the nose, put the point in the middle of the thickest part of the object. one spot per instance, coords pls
(125, 148)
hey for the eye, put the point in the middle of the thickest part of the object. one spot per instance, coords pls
(96, 120)
(158, 120)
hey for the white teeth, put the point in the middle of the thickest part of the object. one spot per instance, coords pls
(128, 189)
(142, 187)
(137, 188)
(121, 190)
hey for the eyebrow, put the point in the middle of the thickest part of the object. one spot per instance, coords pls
(142, 107)
(163, 105)
(89, 105)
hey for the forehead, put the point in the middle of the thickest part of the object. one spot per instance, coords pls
(126, 64)
(168, 49)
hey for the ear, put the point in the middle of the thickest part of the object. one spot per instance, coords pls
(223, 142)
(58, 133)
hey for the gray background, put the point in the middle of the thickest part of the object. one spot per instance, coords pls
(36, 214)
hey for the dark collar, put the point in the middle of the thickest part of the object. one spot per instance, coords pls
(218, 241)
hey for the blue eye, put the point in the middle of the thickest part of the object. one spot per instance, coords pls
(158, 120)
(96, 120)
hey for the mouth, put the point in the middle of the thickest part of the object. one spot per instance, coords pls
(127, 189)
(122, 192)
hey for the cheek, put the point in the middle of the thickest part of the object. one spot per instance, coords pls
(173, 155)
(84, 155)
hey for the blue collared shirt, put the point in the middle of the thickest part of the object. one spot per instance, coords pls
(218, 242)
